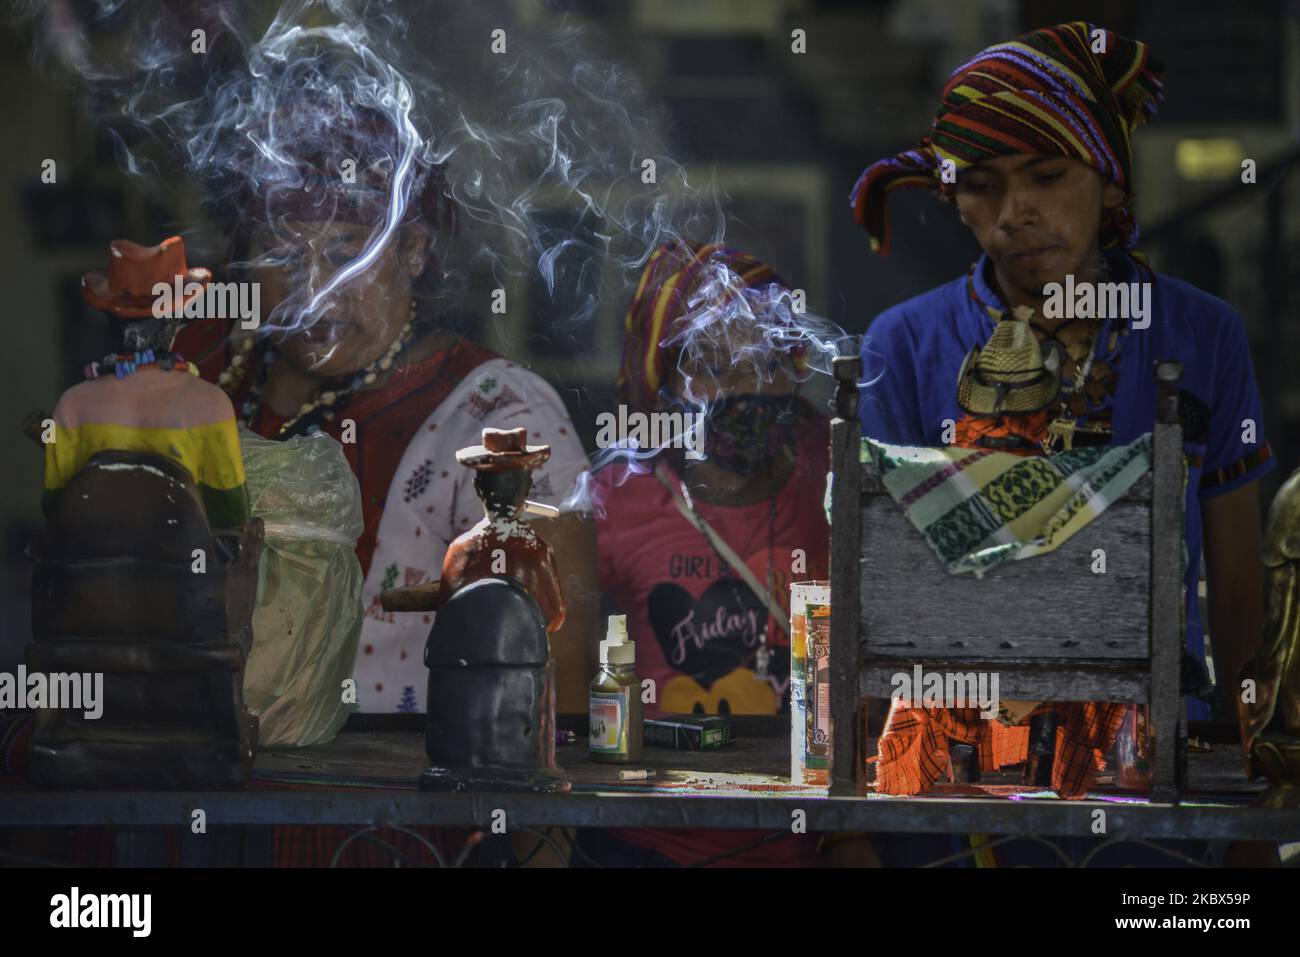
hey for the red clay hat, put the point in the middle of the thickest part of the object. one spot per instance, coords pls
(126, 290)
(504, 450)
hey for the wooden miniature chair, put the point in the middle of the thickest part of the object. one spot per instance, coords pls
(1116, 636)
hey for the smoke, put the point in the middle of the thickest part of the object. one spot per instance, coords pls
(316, 126)
(752, 328)
(548, 159)
(510, 143)
(729, 336)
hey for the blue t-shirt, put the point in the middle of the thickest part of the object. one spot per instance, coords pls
(913, 352)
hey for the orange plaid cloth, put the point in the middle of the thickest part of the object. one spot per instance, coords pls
(1030, 428)
(913, 750)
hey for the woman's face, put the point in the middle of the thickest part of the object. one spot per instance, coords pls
(744, 387)
(357, 322)
(735, 364)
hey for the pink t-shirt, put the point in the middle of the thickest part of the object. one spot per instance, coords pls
(696, 623)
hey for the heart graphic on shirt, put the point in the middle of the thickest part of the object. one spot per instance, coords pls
(709, 637)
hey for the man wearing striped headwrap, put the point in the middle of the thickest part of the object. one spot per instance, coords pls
(1074, 90)
(1033, 144)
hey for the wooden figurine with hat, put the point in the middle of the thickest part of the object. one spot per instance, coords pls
(502, 543)
(491, 693)
(148, 398)
(146, 570)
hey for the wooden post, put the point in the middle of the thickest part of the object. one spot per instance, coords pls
(846, 574)
(1168, 717)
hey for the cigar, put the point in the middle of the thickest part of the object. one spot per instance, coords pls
(537, 508)
(422, 597)
(635, 775)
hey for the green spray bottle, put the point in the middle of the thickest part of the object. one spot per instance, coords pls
(616, 716)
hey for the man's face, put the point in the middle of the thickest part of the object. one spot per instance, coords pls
(355, 325)
(1037, 217)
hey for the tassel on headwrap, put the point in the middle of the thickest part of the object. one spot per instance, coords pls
(671, 276)
(1044, 92)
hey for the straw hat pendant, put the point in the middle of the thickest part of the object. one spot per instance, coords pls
(1013, 374)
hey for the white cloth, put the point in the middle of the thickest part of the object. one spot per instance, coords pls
(432, 500)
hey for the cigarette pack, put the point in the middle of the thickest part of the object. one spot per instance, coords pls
(689, 732)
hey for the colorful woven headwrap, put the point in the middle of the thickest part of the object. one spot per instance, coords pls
(1045, 92)
(672, 274)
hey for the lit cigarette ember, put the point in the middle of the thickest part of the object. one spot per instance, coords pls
(537, 508)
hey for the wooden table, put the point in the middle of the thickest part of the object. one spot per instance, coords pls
(366, 778)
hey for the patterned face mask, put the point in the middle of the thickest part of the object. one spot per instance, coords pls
(742, 433)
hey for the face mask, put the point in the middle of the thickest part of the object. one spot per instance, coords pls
(742, 433)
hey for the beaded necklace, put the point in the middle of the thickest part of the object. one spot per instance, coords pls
(1061, 430)
(328, 400)
(122, 365)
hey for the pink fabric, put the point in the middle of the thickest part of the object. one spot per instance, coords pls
(696, 625)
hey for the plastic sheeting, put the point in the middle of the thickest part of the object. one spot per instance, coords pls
(308, 614)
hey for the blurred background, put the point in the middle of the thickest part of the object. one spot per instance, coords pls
(782, 136)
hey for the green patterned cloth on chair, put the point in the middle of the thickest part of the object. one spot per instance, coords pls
(979, 509)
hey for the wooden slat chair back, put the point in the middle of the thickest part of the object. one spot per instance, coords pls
(1051, 627)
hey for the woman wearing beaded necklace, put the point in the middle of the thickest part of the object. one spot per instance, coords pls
(354, 356)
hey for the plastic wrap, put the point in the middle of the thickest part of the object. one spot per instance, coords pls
(308, 614)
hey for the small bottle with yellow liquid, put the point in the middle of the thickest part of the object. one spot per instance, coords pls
(616, 717)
